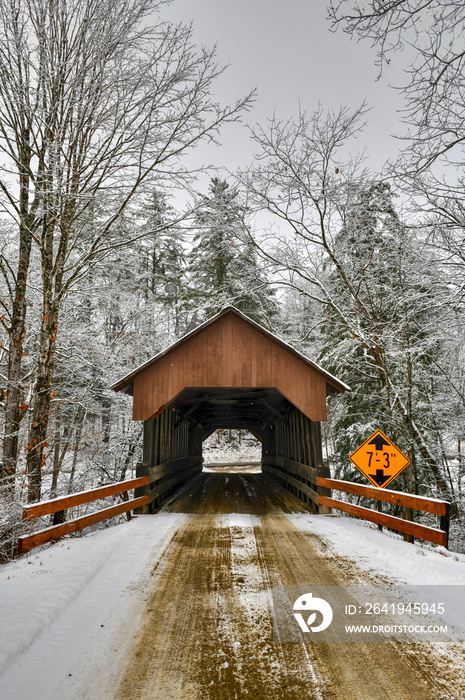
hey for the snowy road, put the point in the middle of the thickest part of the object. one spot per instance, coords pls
(177, 605)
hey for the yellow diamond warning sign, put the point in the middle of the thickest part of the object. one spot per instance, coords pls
(379, 459)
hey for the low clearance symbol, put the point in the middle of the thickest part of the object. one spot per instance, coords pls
(379, 459)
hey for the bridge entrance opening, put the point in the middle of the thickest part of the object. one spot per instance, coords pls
(232, 450)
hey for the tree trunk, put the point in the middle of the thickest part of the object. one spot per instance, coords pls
(42, 399)
(77, 441)
(459, 457)
(106, 420)
(16, 335)
(131, 450)
(413, 430)
(56, 465)
(13, 414)
(425, 452)
(58, 458)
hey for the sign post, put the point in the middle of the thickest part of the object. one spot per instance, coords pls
(379, 459)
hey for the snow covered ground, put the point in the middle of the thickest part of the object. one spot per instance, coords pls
(386, 556)
(90, 590)
(385, 553)
(77, 590)
(217, 449)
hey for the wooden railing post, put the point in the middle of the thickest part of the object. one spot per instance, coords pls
(59, 517)
(324, 472)
(142, 469)
(379, 508)
(408, 515)
(445, 524)
(408, 512)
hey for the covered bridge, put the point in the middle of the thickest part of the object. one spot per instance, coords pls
(230, 372)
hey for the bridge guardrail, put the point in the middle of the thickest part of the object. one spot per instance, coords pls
(406, 500)
(62, 503)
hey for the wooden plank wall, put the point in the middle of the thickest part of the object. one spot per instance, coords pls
(231, 354)
(172, 455)
(292, 455)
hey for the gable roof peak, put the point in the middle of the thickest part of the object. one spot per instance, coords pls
(126, 383)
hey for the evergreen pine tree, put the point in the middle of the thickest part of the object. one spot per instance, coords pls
(395, 308)
(223, 266)
(165, 262)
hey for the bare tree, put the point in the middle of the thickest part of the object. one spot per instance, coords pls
(98, 100)
(431, 167)
(341, 245)
(432, 163)
(431, 31)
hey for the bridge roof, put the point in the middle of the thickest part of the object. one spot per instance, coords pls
(229, 351)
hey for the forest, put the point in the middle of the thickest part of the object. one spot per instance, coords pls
(103, 264)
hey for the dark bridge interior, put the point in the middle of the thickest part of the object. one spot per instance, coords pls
(291, 442)
(252, 409)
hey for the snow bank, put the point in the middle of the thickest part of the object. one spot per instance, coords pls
(54, 599)
(384, 553)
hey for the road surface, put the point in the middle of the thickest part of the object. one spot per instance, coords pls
(206, 629)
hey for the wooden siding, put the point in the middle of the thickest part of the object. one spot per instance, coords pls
(229, 353)
(292, 455)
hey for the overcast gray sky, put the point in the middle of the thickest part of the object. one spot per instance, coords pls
(286, 51)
